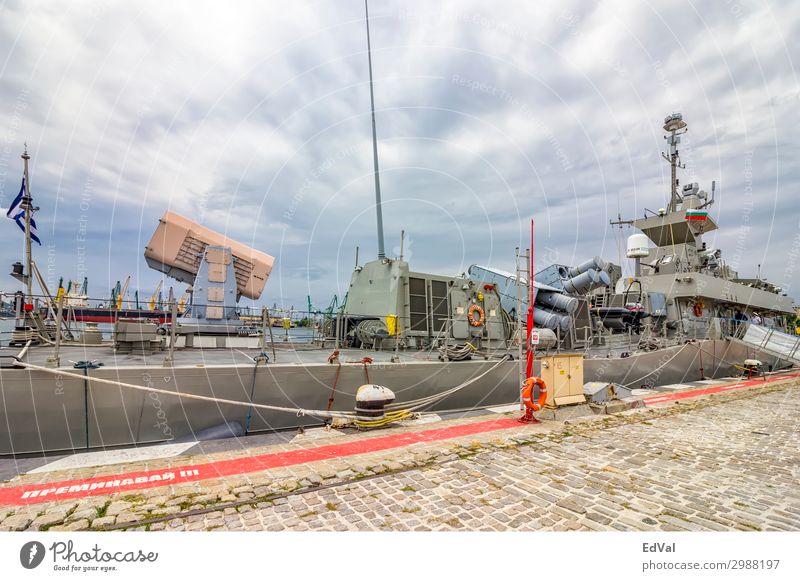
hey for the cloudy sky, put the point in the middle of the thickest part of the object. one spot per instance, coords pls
(253, 119)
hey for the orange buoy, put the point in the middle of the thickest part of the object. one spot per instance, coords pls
(527, 393)
(473, 320)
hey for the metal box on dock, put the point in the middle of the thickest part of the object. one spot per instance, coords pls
(563, 375)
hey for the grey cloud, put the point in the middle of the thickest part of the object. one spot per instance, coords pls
(485, 117)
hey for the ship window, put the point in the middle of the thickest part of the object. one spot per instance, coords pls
(439, 304)
(418, 304)
(416, 286)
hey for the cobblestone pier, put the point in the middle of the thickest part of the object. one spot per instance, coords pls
(729, 461)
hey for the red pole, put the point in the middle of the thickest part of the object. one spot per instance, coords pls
(528, 417)
(529, 362)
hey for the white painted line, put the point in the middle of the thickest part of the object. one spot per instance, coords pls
(504, 409)
(317, 434)
(424, 419)
(121, 456)
(658, 400)
(673, 387)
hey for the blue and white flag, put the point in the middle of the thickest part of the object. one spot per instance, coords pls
(14, 208)
(20, 220)
(16, 213)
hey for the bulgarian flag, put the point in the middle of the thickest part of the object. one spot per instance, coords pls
(696, 215)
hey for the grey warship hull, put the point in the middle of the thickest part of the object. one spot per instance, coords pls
(46, 412)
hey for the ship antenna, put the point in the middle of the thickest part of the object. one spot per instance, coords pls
(27, 205)
(378, 208)
(675, 126)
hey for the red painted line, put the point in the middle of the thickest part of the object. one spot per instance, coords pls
(37, 493)
(716, 389)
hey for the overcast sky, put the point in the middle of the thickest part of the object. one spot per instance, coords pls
(253, 119)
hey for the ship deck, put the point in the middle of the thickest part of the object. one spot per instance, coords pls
(237, 356)
(240, 351)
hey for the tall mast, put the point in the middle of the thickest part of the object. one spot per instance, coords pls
(27, 205)
(378, 208)
(675, 126)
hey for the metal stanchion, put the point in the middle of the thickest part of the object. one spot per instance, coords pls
(271, 338)
(172, 329)
(262, 342)
(54, 359)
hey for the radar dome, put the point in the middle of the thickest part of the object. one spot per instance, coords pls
(638, 246)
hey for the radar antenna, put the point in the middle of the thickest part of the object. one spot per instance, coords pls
(675, 126)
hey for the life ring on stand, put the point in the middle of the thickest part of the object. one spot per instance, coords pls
(698, 310)
(473, 320)
(527, 393)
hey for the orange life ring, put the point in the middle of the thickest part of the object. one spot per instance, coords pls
(698, 310)
(476, 322)
(527, 393)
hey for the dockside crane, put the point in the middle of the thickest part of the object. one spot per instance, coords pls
(154, 297)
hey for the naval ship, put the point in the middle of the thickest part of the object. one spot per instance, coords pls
(437, 342)
(403, 342)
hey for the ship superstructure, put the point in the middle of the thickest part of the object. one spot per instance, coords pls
(685, 287)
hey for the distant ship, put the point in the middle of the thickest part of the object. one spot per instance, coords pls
(76, 304)
(112, 315)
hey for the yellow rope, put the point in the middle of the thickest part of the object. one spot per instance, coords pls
(390, 417)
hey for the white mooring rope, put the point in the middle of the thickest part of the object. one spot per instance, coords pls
(298, 411)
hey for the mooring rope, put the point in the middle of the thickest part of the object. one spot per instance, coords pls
(649, 373)
(421, 402)
(408, 406)
(248, 404)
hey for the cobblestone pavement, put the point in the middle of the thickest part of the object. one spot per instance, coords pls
(724, 462)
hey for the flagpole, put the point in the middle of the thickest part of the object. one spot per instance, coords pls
(27, 205)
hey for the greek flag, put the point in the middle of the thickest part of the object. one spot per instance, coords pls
(15, 209)
(16, 213)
